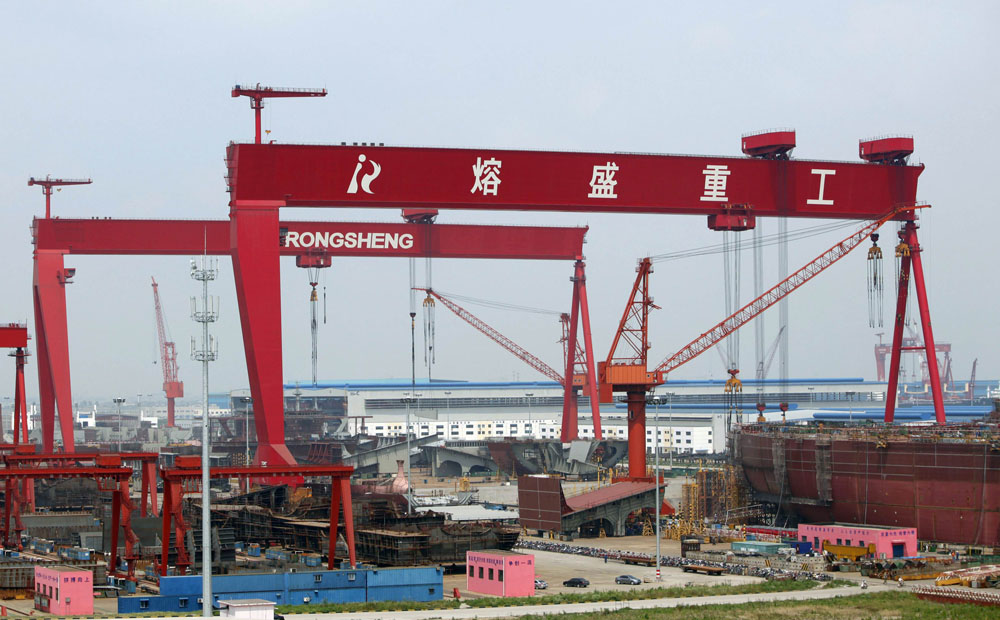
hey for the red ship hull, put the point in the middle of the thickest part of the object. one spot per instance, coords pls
(944, 483)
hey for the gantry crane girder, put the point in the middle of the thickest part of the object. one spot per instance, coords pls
(264, 178)
(55, 238)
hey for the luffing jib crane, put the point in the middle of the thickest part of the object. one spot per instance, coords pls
(172, 386)
(578, 380)
(626, 371)
(258, 93)
(48, 183)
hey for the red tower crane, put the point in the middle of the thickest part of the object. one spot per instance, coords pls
(172, 387)
(48, 183)
(625, 368)
(258, 93)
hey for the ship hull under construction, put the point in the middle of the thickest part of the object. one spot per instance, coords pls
(944, 482)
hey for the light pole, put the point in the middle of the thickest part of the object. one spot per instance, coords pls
(247, 406)
(118, 402)
(670, 413)
(409, 482)
(656, 476)
(447, 415)
(207, 313)
(528, 396)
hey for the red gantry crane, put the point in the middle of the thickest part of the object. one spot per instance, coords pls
(172, 386)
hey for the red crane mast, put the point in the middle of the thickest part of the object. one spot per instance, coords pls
(172, 386)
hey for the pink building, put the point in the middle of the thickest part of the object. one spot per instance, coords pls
(64, 591)
(500, 573)
(890, 542)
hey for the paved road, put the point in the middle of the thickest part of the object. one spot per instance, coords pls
(527, 610)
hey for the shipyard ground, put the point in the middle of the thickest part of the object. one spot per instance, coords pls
(555, 568)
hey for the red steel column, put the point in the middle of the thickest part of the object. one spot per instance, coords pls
(345, 499)
(8, 494)
(570, 427)
(588, 347)
(925, 321)
(53, 348)
(254, 239)
(636, 433)
(149, 486)
(116, 513)
(20, 403)
(897, 337)
(334, 518)
(165, 530)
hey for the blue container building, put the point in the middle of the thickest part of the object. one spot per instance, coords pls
(295, 587)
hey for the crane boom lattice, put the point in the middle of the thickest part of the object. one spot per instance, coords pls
(773, 295)
(498, 338)
(173, 388)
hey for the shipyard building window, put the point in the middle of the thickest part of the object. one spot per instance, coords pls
(689, 441)
(480, 572)
(317, 578)
(500, 574)
(491, 574)
(182, 602)
(144, 603)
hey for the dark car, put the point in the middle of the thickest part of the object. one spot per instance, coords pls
(628, 580)
(576, 582)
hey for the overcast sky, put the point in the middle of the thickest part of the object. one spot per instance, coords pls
(136, 95)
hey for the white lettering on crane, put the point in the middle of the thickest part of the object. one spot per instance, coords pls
(349, 240)
(822, 187)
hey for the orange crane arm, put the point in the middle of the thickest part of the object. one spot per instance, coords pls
(733, 322)
(498, 338)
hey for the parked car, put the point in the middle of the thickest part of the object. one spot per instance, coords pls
(628, 580)
(541, 584)
(576, 582)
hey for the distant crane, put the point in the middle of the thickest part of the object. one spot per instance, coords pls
(48, 183)
(258, 93)
(172, 387)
